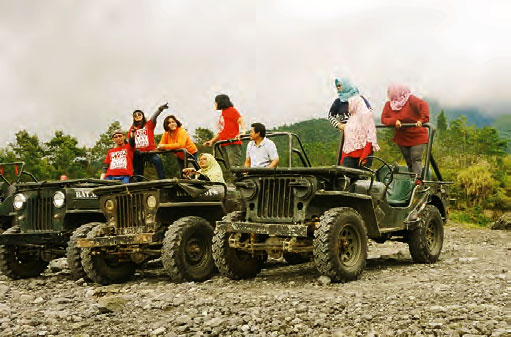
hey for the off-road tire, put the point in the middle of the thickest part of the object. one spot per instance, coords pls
(73, 253)
(425, 242)
(186, 251)
(15, 264)
(340, 244)
(294, 258)
(233, 263)
(104, 269)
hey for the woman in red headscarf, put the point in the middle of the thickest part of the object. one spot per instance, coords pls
(403, 107)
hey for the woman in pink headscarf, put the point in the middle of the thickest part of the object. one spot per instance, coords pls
(403, 107)
(359, 135)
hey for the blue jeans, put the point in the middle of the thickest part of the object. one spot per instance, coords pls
(139, 160)
(124, 179)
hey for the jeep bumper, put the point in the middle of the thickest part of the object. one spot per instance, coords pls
(106, 241)
(263, 228)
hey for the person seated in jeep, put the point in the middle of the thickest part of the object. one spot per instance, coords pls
(210, 169)
(118, 163)
(359, 135)
(261, 152)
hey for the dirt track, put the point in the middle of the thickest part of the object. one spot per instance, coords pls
(467, 293)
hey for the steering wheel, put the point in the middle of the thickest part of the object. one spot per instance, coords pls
(388, 177)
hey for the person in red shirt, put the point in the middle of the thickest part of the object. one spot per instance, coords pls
(229, 125)
(360, 138)
(176, 137)
(403, 107)
(144, 141)
(118, 164)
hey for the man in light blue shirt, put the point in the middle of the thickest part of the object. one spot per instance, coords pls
(261, 152)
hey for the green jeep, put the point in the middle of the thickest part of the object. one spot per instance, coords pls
(46, 217)
(171, 218)
(328, 214)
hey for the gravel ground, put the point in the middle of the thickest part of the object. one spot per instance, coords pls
(467, 293)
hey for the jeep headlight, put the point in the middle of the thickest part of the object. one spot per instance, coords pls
(58, 199)
(151, 201)
(109, 205)
(19, 201)
(248, 189)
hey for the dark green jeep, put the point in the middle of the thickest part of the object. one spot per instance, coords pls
(46, 216)
(171, 218)
(329, 213)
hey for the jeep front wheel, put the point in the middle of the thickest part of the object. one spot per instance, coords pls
(104, 268)
(232, 262)
(74, 260)
(425, 242)
(340, 244)
(186, 251)
(18, 261)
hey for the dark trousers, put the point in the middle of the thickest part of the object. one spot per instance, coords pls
(413, 157)
(181, 162)
(139, 160)
(352, 162)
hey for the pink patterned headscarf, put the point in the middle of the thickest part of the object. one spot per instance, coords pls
(398, 95)
(360, 127)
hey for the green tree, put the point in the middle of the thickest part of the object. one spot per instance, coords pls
(28, 149)
(441, 123)
(66, 157)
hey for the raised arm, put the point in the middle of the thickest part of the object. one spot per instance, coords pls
(155, 115)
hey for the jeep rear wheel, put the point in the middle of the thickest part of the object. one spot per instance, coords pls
(19, 261)
(74, 260)
(186, 251)
(425, 242)
(340, 244)
(231, 262)
(104, 268)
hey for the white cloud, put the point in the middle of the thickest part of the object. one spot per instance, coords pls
(78, 66)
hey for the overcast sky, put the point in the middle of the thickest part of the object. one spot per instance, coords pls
(77, 66)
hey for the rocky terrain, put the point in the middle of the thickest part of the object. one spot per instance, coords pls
(467, 293)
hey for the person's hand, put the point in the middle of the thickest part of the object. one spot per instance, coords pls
(341, 126)
(419, 123)
(398, 124)
(163, 107)
(208, 143)
(238, 136)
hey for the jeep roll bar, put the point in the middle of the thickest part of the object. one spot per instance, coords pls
(429, 157)
(18, 167)
(290, 150)
(187, 156)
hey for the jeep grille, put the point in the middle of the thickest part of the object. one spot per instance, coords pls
(275, 199)
(130, 210)
(39, 212)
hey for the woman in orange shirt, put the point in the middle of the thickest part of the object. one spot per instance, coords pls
(176, 137)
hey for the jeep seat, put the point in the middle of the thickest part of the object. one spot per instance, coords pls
(377, 190)
(400, 190)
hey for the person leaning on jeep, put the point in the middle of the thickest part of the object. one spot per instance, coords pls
(261, 152)
(118, 164)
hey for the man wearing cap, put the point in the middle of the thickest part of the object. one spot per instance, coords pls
(118, 164)
(261, 152)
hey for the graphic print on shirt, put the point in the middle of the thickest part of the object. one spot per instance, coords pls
(118, 160)
(141, 138)
(221, 123)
